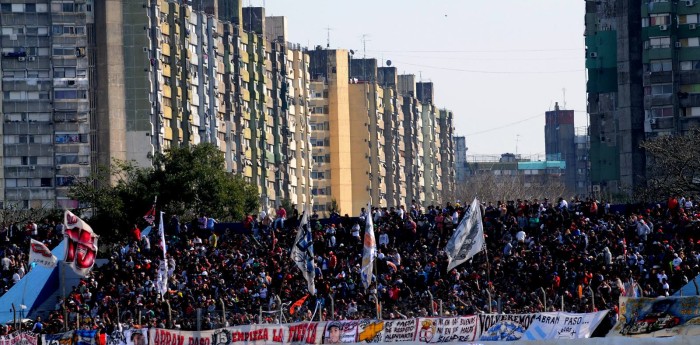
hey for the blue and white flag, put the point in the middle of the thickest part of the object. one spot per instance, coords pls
(303, 252)
(162, 282)
(468, 238)
(369, 252)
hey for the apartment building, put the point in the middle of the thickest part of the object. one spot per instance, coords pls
(432, 168)
(395, 147)
(332, 149)
(48, 104)
(413, 138)
(313, 127)
(460, 149)
(559, 143)
(642, 82)
(207, 72)
(288, 70)
(369, 172)
(615, 94)
(447, 154)
(671, 63)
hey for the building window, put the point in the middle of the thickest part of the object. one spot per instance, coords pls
(26, 139)
(659, 42)
(46, 182)
(661, 89)
(70, 94)
(64, 72)
(659, 19)
(692, 111)
(690, 88)
(690, 65)
(690, 42)
(688, 19)
(29, 160)
(70, 138)
(64, 181)
(660, 65)
(662, 112)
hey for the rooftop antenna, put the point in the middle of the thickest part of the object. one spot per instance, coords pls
(517, 140)
(328, 37)
(563, 90)
(364, 45)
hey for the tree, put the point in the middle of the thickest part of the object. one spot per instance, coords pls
(673, 166)
(334, 208)
(288, 206)
(12, 212)
(186, 180)
(488, 187)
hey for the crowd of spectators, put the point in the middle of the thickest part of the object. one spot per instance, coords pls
(581, 255)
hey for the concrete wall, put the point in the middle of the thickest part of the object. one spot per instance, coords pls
(111, 112)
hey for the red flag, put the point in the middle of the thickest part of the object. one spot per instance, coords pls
(81, 244)
(298, 304)
(150, 216)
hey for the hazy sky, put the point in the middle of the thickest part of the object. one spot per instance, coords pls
(499, 65)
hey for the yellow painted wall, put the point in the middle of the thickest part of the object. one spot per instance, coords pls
(339, 121)
(359, 136)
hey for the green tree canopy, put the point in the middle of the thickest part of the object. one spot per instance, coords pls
(186, 181)
(673, 166)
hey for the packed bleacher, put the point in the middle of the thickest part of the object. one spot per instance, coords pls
(580, 254)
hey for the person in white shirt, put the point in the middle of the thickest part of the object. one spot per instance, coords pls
(356, 231)
(363, 215)
(16, 277)
(5, 263)
(378, 214)
(401, 211)
(661, 276)
(563, 204)
(383, 239)
(677, 261)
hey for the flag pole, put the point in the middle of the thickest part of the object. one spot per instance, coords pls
(486, 247)
(62, 271)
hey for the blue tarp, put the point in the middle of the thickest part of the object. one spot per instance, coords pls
(690, 289)
(32, 290)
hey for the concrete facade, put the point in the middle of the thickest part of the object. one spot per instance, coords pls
(460, 149)
(559, 143)
(330, 123)
(308, 126)
(48, 102)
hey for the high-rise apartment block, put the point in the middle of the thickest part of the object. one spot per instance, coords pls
(641, 59)
(48, 101)
(559, 145)
(87, 82)
(214, 72)
(375, 113)
(461, 168)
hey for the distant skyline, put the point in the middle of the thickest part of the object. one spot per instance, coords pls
(499, 65)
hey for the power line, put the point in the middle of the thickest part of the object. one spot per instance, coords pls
(463, 58)
(490, 72)
(476, 51)
(505, 126)
(512, 123)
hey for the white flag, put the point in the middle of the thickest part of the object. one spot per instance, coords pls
(369, 252)
(81, 246)
(40, 253)
(162, 283)
(468, 238)
(303, 252)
